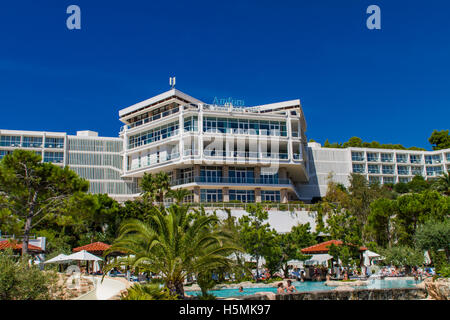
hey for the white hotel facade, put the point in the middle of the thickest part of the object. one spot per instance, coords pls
(221, 153)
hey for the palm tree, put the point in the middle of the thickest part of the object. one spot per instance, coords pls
(175, 245)
(162, 181)
(179, 194)
(442, 183)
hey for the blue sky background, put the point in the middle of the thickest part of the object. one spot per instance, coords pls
(391, 85)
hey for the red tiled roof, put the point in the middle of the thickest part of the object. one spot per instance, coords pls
(18, 246)
(96, 246)
(324, 247)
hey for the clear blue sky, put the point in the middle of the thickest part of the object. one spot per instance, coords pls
(391, 85)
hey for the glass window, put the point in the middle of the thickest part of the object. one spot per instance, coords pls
(10, 141)
(387, 157)
(374, 179)
(242, 195)
(416, 170)
(211, 195)
(358, 168)
(32, 142)
(54, 142)
(402, 158)
(415, 158)
(4, 153)
(388, 180)
(211, 174)
(403, 170)
(372, 157)
(373, 168)
(241, 175)
(357, 156)
(388, 169)
(54, 157)
(270, 195)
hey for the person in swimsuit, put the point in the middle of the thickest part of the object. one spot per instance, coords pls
(290, 288)
(280, 289)
(241, 289)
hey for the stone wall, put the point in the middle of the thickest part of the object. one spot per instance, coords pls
(355, 294)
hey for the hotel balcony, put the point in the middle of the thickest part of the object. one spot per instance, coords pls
(245, 155)
(150, 119)
(233, 181)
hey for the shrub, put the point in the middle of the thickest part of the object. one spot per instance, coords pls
(20, 281)
(147, 292)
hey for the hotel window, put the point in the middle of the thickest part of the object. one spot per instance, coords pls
(403, 170)
(358, 168)
(417, 171)
(357, 156)
(156, 134)
(270, 196)
(241, 175)
(403, 180)
(54, 142)
(388, 169)
(437, 158)
(448, 156)
(388, 180)
(211, 174)
(242, 195)
(4, 153)
(373, 168)
(268, 178)
(244, 126)
(372, 157)
(10, 141)
(387, 157)
(402, 158)
(32, 142)
(211, 195)
(434, 171)
(54, 157)
(415, 158)
(374, 180)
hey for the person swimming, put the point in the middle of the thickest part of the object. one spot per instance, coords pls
(290, 288)
(280, 289)
(241, 289)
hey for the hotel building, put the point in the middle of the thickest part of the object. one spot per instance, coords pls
(221, 153)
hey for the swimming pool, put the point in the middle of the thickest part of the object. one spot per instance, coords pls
(309, 286)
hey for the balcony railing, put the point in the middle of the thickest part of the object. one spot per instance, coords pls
(357, 158)
(260, 132)
(245, 154)
(231, 180)
(169, 157)
(150, 119)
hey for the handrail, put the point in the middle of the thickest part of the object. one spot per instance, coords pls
(229, 180)
(150, 119)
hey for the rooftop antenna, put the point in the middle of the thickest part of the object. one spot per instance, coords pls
(172, 82)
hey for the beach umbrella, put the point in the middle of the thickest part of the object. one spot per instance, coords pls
(62, 258)
(83, 256)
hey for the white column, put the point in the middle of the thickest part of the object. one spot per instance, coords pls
(125, 156)
(289, 134)
(181, 129)
(200, 129)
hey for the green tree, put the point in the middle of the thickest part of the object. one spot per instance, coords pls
(418, 184)
(434, 235)
(175, 245)
(154, 187)
(34, 191)
(353, 142)
(256, 236)
(440, 139)
(379, 223)
(403, 256)
(442, 184)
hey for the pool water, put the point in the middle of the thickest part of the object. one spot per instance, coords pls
(309, 286)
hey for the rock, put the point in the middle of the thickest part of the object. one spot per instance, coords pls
(268, 295)
(438, 289)
(344, 288)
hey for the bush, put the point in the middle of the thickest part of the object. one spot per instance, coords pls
(147, 292)
(20, 281)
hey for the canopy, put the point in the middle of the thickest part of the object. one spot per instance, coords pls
(83, 256)
(62, 258)
(94, 248)
(15, 246)
(324, 247)
(371, 254)
(319, 259)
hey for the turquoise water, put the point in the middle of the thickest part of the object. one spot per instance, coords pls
(309, 286)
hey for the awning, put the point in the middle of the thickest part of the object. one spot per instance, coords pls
(319, 259)
(62, 258)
